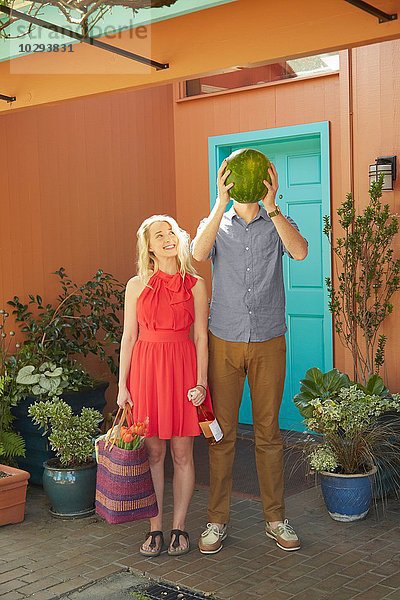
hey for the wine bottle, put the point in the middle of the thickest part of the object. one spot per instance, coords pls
(209, 425)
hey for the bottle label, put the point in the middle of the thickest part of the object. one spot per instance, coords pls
(216, 430)
(205, 427)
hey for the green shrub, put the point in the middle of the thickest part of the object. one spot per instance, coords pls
(70, 436)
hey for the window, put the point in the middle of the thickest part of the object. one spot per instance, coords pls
(244, 76)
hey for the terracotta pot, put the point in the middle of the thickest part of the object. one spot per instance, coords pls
(12, 495)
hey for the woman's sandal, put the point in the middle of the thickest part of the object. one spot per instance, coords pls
(153, 544)
(175, 544)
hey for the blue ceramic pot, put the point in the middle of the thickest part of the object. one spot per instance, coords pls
(347, 497)
(71, 492)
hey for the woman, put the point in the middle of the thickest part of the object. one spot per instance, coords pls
(163, 373)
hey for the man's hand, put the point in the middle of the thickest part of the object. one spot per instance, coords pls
(223, 190)
(269, 200)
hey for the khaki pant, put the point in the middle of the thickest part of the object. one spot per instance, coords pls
(264, 364)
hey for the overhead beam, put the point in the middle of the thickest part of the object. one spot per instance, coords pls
(83, 38)
(382, 16)
(8, 98)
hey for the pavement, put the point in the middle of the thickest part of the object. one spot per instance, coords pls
(45, 558)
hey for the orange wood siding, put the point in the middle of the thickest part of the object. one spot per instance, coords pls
(376, 78)
(77, 179)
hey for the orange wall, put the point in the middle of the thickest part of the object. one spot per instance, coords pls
(376, 75)
(288, 103)
(241, 32)
(376, 78)
(77, 179)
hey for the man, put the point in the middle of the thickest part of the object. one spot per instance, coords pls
(247, 327)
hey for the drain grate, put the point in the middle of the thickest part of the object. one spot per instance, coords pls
(163, 591)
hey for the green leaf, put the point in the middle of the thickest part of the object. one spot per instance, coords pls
(374, 387)
(11, 444)
(310, 388)
(45, 384)
(318, 385)
(26, 377)
(315, 375)
(303, 405)
(56, 373)
(334, 380)
(54, 384)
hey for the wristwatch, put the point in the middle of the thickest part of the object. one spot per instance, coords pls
(275, 212)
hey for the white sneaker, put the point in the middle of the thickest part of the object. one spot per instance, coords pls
(211, 539)
(284, 535)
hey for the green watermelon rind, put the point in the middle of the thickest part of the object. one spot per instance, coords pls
(248, 169)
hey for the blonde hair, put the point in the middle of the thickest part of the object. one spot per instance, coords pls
(147, 262)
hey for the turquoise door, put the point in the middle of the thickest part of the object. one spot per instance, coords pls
(301, 156)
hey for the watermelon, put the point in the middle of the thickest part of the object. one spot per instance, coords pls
(248, 169)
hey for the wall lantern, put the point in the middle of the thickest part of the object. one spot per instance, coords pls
(387, 166)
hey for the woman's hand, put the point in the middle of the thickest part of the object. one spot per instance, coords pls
(223, 190)
(197, 395)
(124, 397)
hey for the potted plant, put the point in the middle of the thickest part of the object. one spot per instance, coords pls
(11, 443)
(354, 437)
(13, 482)
(84, 320)
(33, 383)
(367, 276)
(69, 479)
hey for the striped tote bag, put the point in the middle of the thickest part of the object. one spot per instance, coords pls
(124, 488)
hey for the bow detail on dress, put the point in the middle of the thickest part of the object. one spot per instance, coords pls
(167, 298)
(179, 287)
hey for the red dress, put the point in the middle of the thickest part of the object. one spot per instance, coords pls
(163, 366)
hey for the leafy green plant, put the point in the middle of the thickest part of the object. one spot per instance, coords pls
(11, 443)
(367, 274)
(354, 430)
(49, 380)
(319, 385)
(328, 385)
(70, 436)
(85, 320)
(349, 412)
